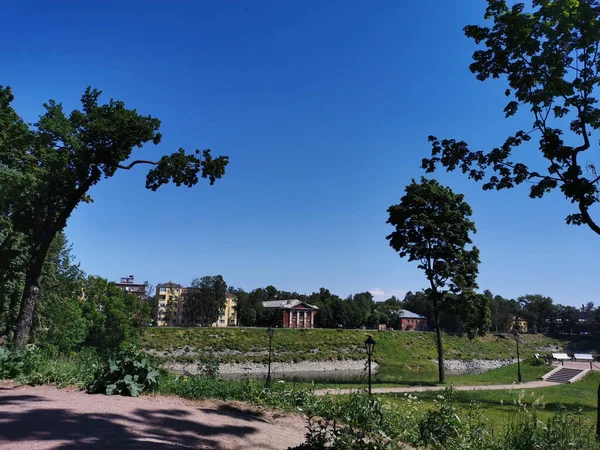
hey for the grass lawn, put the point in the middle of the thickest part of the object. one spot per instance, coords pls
(398, 353)
(498, 406)
(503, 375)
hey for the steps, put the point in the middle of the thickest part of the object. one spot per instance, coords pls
(565, 375)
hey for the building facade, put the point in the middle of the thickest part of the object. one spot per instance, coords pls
(410, 321)
(128, 284)
(228, 316)
(170, 308)
(293, 313)
(169, 304)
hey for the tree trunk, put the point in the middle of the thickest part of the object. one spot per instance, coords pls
(598, 417)
(30, 294)
(440, 345)
(440, 349)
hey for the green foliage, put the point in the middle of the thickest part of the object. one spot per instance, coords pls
(355, 422)
(564, 431)
(11, 362)
(204, 299)
(114, 316)
(549, 56)
(432, 227)
(48, 169)
(58, 319)
(209, 365)
(125, 373)
(442, 427)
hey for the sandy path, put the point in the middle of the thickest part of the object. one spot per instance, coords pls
(487, 387)
(44, 417)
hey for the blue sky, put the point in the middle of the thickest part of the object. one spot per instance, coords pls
(324, 109)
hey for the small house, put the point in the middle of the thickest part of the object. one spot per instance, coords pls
(410, 321)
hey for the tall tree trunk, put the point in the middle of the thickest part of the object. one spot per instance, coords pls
(598, 417)
(31, 292)
(440, 345)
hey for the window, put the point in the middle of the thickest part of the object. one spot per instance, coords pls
(163, 290)
(162, 304)
(222, 321)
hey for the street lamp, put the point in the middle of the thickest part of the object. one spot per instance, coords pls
(517, 339)
(369, 347)
(270, 332)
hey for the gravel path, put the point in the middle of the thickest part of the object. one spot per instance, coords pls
(490, 387)
(44, 417)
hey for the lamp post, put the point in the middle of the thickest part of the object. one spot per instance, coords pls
(517, 339)
(369, 347)
(270, 332)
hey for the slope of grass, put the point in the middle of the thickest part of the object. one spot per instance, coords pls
(395, 351)
(498, 406)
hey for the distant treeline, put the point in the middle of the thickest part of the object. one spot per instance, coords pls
(541, 313)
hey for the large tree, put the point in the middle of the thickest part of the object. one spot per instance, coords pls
(205, 299)
(52, 165)
(549, 56)
(432, 227)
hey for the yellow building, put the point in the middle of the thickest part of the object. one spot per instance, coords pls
(169, 304)
(519, 325)
(228, 316)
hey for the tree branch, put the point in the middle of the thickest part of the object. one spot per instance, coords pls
(588, 219)
(139, 161)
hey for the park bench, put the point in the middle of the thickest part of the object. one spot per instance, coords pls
(584, 357)
(562, 357)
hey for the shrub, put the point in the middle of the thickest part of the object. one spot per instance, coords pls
(563, 431)
(356, 422)
(11, 363)
(126, 373)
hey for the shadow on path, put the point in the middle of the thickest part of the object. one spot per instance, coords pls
(139, 429)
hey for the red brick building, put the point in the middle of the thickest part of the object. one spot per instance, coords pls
(410, 321)
(293, 313)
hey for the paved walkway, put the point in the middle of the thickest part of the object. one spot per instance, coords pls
(44, 417)
(483, 387)
(486, 387)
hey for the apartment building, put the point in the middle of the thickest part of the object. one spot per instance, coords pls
(228, 316)
(170, 307)
(128, 284)
(169, 304)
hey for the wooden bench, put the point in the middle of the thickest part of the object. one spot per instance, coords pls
(562, 357)
(584, 357)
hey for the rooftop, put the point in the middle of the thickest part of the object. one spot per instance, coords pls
(406, 314)
(169, 284)
(287, 304)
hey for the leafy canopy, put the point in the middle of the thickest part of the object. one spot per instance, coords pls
(432, 227)
(549, 55)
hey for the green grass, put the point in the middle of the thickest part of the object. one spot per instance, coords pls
(502, 375)
(498, 406)
(396, 352)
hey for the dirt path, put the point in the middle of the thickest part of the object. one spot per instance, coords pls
(489, 387)
(48, 418)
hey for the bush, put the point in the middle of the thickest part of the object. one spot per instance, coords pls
(11, 363)
(563, 431)
(126, 373)
(355, 422)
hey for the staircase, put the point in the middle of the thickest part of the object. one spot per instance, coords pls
(565, 375)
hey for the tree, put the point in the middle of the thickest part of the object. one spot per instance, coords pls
(205, 299)
(112, 314)
(432, 227)
(58, 319)
(538, 311)
(57, 161)
(550, 57)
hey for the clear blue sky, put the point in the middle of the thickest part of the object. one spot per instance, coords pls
(324, 109)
